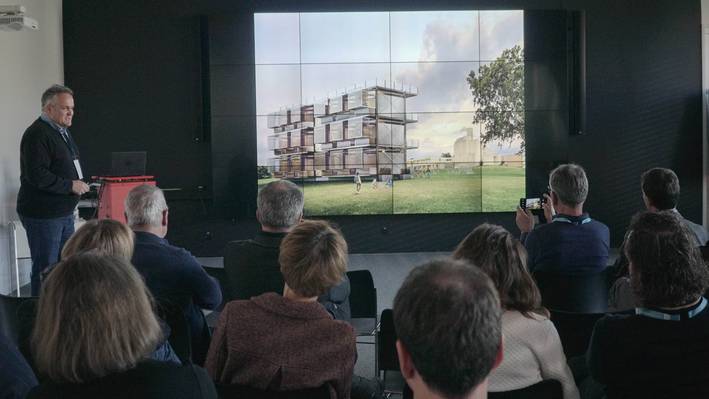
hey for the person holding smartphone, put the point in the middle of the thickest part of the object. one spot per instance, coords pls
(571, 242)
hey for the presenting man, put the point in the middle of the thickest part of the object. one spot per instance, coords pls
(572, 243)
(50, 180)
(252, 266)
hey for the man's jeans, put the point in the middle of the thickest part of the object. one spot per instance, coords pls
(46, 238)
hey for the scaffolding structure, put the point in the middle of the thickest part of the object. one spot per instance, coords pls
(362, 131)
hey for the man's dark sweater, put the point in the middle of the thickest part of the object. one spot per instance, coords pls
(252, 269)
(568, 245)
(173, 274)
(637, 356)
(46, 174)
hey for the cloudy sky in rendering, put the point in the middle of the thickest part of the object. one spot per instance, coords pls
(304, 58)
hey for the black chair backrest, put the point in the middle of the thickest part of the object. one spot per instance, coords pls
(363, 295)
(575, 330)
(408, 393)
(220, 274)
(172, 313)
(547, 389)
(26, 316)
(236, 391)
(9, 321)
(586, 293)
(388, 359)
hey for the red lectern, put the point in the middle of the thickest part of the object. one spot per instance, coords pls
(113, 193)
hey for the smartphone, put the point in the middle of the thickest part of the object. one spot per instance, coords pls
(531, 203)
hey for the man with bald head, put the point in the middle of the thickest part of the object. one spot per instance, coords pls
(50, 180)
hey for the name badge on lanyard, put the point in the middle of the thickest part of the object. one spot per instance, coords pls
(77, 166)
(70, 143)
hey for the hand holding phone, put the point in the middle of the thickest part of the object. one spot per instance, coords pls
(549, 210)
(532, 203)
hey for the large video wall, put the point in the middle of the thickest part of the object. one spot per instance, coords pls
(392, 112)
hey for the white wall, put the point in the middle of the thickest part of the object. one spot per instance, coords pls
(705, 88)
(30, 61)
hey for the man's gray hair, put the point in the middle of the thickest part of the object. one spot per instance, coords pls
(280, 204)
(144, 206)
(51, 93)
(570, 184)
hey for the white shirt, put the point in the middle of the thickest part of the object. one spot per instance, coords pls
(532, 353)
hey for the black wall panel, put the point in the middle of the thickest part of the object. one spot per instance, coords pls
(137, 84)
(137, 69)
(644, 110)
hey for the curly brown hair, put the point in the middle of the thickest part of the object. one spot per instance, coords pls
(503, 258)
(666, 267)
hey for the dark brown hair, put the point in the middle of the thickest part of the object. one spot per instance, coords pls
(447, 316)
(503, 258)
(661, 187)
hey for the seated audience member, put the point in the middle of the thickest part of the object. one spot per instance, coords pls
(172, 274)
(660, 350)
(252, 266)
(447, 320)
(290, 342)
(106, 235)
(113, 238)
(660, 189)
(95, 328)
(16, 376)
(572, 243)
(533, 350)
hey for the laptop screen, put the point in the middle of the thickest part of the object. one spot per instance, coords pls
(131, 163)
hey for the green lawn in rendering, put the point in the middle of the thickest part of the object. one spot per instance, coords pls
(484, 189)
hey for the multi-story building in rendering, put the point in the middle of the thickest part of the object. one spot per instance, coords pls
(360, 131)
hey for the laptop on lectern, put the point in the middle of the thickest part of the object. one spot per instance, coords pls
(130, 163)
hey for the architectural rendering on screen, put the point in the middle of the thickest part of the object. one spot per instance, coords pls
(401, 112)
(363, 131)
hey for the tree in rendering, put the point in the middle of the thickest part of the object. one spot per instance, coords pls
(498, 89)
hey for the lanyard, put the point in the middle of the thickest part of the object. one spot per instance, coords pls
(562, 219)
(65, 135)
(656, 314)
(69, 143)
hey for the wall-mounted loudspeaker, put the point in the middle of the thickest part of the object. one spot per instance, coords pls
(576, 71)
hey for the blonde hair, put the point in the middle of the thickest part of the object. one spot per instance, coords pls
(94, 318)
(106, 235)
(313, 258)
